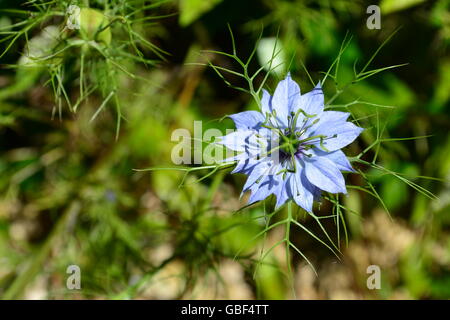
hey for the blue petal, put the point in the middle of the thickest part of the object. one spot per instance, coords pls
(235, 140)
(243, 140)
(248, 119)
(282, 192)
(245, 164)
(324, 174)
(258, 172)
(338, 135)
(265, 190)
(326, 119)
(338, 158)
(268, 185)
(302, 190)
(284, 99)
(312, 102)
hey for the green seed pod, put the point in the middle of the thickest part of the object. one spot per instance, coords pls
(90, 22)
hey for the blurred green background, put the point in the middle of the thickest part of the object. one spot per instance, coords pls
(80, 109)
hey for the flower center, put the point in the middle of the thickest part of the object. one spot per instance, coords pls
(289, 143)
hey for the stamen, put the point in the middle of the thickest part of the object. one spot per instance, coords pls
(308, 116)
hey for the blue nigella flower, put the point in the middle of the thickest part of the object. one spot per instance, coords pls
(292, 147)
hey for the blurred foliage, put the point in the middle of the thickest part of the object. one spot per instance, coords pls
(134, 73)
